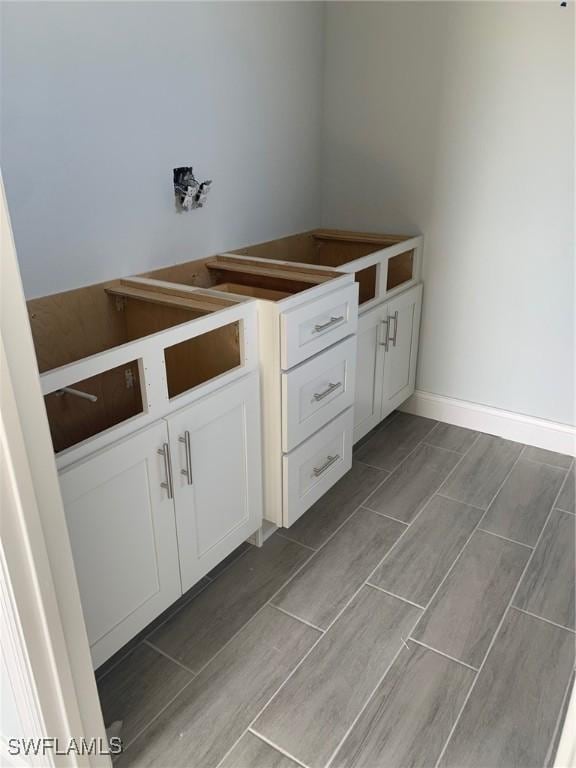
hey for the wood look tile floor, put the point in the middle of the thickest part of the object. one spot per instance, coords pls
(420, 614)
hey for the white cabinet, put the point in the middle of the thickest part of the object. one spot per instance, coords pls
(369, 371)
(123, 537)
(216, 475)
(401, 350)
(386, 362)
(150, 515)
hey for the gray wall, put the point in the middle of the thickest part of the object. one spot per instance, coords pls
(456, 120)
(102, 99)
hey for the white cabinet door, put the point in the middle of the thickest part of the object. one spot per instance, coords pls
(403, 320)
(123, 534)
(369, 370)
(215, 445)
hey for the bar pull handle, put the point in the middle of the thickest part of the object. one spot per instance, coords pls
(185, 438)
(331, 387)
(165, 452)
(324, 326)
(395, 318)
(384, 343)
(328, 463)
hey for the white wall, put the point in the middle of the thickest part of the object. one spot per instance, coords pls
(102, 99)
(456, 120)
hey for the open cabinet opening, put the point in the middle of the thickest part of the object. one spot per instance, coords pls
(78, 324)
(255, 279)
(332, 248)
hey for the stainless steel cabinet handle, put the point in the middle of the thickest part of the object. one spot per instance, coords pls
(165, 452)
(185, 438)
(328, 463)
(331, 387)
(395, 318)
(329, 324)
(384, 343)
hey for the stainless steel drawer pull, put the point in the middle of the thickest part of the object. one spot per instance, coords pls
(331, 387)
(185, 438)
(329, 324)
(395, 318)
(385, 335)
(328, 463)
(165, 452)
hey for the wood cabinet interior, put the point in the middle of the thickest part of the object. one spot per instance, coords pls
(73, 419)
(70, 326)
(400, 269)
(334, 248)
(273, 282)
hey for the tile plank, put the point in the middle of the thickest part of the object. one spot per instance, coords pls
(410, 715)
(417, 565)
(511, 714)
(547, 588)
(391, 445)
(138, 688)
(410, 486)
(482, 471)
(547, 457)
(465, 612)
(313, 711)
(323, 587)
(522, 505)
(252, 752)
(202, 627)
(329, 512)
(451, 437)
(211, 713)
(566, 499)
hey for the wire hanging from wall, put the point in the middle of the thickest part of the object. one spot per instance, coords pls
(188, 191)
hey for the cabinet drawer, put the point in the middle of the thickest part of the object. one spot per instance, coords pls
(310, 328)
(312, 468)
(316, 391)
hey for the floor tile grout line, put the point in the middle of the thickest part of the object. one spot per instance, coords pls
(545, 464)
(421, 510)
(543, 618)
(506, 538)
(451, 498)
(566, 511)
(270, 743)
(548, 762)
(306, 546)
(141, 732)
(145, 637)
(397, 466)
(383, 514)
(496, 633)
(441, 448)
(441, 653)
(468, 540)
(330, 625)
(387, 592)
(302, 621)
(170, 658)
(355, 721)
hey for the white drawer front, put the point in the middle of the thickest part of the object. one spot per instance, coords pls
(312, 468)
(310, 328)
(316, 391)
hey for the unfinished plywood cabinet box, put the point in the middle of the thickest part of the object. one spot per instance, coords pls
(262, 367)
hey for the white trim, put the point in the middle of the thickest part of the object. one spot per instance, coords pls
(566, 753)
(540, 433)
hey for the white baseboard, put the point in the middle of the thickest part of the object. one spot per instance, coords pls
(512, 426)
